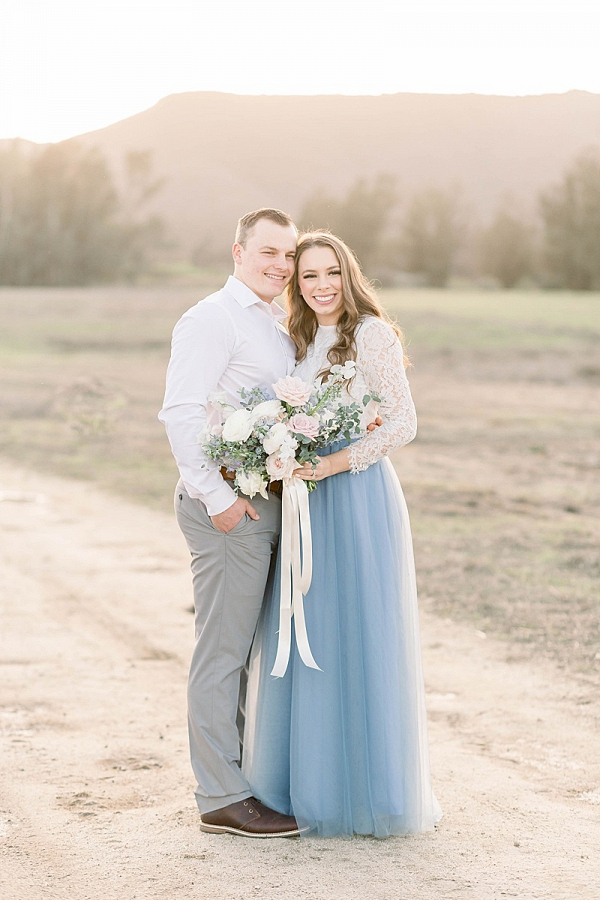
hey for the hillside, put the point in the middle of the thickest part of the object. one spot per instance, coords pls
(222, 154)
(18, 144)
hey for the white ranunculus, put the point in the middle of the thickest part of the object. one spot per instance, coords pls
(268, 409)
(288, 448)
(238, 426)
(275, 437)
(251, 483)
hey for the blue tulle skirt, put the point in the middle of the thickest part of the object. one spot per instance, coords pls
(345, 749)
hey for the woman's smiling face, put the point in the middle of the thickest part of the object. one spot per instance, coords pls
(320, 282)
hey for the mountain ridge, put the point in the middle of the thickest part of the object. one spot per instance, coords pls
(222, 154)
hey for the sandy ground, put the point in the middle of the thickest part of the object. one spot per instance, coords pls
(96, 791)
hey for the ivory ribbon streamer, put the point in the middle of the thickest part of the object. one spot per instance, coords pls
(296, 574)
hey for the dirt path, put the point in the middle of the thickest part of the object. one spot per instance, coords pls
(95, 787)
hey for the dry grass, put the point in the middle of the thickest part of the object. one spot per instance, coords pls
(503, 481)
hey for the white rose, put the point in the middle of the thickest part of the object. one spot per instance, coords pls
(279, 468)
(275, 437)
(268, 409)
(327, 416)
(251, 483)
(238, 426)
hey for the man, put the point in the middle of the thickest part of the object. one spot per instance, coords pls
(231, 340)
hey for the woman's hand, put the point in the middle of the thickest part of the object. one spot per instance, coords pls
(315, 473)
(373, 426)
(332, 464)
(326, 466)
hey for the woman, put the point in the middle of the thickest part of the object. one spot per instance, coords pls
(344, 749)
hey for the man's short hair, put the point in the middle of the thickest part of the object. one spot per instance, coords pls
(247, 222)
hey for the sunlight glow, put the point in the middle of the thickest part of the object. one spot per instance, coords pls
(68, 66)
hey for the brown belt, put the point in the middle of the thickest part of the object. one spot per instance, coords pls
(276, 487)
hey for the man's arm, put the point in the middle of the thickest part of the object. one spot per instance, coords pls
(202, 345)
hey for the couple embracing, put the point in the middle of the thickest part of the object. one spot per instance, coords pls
(342, 749)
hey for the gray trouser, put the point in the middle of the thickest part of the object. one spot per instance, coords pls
(230, 573)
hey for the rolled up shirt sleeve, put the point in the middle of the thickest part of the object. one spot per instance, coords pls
(201, 349)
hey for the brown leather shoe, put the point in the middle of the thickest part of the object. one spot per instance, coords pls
(249, 818)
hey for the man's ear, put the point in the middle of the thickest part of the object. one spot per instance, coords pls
(236, 252)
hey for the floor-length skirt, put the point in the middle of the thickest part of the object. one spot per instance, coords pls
(345, 749)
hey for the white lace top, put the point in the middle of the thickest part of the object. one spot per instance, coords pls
(379, 370)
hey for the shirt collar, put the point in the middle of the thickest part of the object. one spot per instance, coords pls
(246, 297)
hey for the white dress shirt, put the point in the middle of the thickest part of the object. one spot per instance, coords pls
(230, 340)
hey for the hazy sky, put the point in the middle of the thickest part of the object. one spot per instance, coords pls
(70, 66)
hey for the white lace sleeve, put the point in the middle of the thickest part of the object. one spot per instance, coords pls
(380, 359)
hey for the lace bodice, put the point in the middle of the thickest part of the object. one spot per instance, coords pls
(379, 370)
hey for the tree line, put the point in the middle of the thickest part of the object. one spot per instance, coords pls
(432, 235)
(66, 219)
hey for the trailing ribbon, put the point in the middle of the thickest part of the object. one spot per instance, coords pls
(296, 574)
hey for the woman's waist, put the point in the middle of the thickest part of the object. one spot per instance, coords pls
(337, 445)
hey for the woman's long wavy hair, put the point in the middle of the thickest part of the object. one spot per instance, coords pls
(358, 297)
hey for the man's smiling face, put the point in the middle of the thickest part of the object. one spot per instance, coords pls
(266, 262)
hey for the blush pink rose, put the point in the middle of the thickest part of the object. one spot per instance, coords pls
(303, 424)
(279, 467)
(292, 390)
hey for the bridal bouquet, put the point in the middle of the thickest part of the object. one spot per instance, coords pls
(264, 441)
(267, 439)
